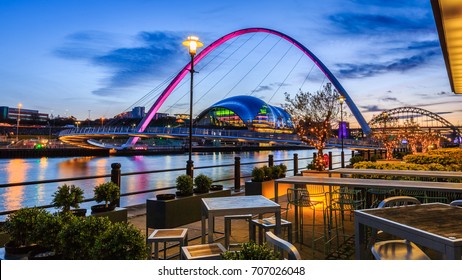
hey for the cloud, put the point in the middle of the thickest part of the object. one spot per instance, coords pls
(263, 88)
(391, 99)
(156, 54)
(372, 108)
(350, 70)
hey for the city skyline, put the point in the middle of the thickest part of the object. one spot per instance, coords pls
(101, 57)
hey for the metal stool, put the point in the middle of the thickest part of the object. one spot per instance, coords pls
(228, 220)
(211, 251)
(167, 235)
(267, 224)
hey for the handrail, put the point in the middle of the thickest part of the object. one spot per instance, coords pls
(237, 178)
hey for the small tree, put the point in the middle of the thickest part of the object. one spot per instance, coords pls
(67, 196)
(108, 192)
(384, 133)
(312, 115)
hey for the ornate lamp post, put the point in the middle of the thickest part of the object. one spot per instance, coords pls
(17, 121)
(192, 43)
(341, 128)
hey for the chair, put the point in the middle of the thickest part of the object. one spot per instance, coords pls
(211, 251)
(267, 224)
(456, 203)
(397, 249)
(282, 245)
(300, 198)
(377, 195)
(342, 200)
(167, 235)
(228, 220)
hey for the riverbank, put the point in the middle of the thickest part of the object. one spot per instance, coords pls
(81, 152)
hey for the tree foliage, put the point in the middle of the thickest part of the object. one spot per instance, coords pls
(312, 115)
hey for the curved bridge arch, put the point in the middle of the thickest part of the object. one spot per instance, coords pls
(396, 111)
(158, 103)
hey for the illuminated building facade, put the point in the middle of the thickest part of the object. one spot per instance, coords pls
(245, 112)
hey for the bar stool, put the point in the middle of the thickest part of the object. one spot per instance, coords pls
(267, 224)
(211, 251)
(228, 220)
(167, 235)
(300, 198)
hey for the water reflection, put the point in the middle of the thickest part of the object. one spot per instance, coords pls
(20, 170)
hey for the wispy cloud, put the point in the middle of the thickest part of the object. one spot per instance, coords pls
(372, 108)
(350, 70)
(155, 55)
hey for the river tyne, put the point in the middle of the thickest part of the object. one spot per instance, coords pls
(37, 169)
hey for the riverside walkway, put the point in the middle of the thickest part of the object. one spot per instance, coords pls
(137, 217)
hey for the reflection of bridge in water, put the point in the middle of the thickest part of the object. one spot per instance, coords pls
(93, 137)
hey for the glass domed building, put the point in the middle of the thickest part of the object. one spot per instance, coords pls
(245, 112)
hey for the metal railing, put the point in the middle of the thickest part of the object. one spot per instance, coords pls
(236, 180)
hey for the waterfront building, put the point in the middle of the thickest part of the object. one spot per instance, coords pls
(245, 112)
(12, 114)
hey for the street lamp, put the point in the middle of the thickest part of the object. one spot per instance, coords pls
(341, 127)
(17, 121)
(192, 43)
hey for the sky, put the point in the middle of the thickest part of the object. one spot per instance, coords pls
(96, 58)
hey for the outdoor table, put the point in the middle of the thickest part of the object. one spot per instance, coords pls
(236, 205)
(405, 173)
(435, 225)
(367, 183)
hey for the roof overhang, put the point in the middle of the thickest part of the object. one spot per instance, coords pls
(448, 18)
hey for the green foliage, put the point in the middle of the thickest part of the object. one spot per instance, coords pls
(265, 173)
(79, 236)
(108, 192)
(258, 174)
(47, 228)
(355, 159)
(251, 251)
(21, 224)
(203, 182)
(67, 196)
(434, 158)
(121, 241)
(184, 184)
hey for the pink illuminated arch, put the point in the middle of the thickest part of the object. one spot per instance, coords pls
(155, 107)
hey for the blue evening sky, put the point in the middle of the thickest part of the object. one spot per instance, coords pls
(98, 58)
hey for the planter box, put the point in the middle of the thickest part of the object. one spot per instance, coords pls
(117, 215)
(265, 188)
(177, 212)
(315, 173)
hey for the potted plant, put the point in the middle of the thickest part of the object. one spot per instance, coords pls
(108, 192)
(251, 251)
(45, 235)
(184, 185)
(67, 196)
(121, 241)
(203, 183)
(78, 236)
(20, 225)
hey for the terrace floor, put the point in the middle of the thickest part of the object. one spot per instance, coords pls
(240, 233)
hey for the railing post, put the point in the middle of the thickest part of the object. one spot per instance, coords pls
(237, 174)
(270, 160)
(295, 164)
(342, 156)
(352, 153)
(330, 160)
(115, 178)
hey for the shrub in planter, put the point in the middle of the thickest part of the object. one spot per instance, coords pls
(108, 192)
(20, 225)
(184, 185)
(279, 171)
(258, 174)
(78, 236)
(120, 242)
(203, 183)
(67, 196)
(251, 251)
(45, 234)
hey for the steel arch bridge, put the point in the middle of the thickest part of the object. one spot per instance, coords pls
(424, 118)
(168, 90)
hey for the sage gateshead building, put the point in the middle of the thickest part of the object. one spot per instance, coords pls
(247, 113)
